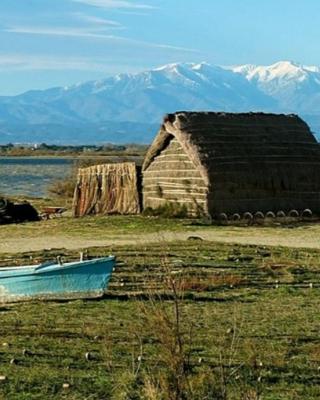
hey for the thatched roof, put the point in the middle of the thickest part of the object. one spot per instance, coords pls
(216, 141)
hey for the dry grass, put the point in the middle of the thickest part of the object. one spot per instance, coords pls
(204, 283)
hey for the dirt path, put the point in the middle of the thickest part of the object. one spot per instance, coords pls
(308, 238)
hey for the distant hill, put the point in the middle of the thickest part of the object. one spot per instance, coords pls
(129, 108)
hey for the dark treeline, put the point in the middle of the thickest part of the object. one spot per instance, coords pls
(64, 150)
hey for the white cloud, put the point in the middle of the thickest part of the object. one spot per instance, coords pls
(42, 62)
(116, 4)
(101, 22)
(58, 31)
(97, 35)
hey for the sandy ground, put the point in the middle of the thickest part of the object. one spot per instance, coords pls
(308, 238)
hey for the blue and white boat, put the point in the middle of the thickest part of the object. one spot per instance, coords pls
(56, 280)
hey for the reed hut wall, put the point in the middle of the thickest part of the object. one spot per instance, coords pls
(107, 189)
(233, 163)
(173, 178)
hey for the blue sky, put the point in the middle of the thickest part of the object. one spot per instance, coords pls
(45, 43)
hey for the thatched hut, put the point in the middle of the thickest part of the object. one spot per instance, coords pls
(216, 163)
(107, 189)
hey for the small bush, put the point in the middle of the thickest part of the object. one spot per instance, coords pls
(171, 330)
(168, 210)
(63, 188)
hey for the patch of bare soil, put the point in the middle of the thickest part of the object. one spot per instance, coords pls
(299, 238)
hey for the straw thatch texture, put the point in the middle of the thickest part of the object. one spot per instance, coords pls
(107, 189)
(173, 178)
(247, 162)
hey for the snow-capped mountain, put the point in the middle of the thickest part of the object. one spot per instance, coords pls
(295, 87)
(129, 107)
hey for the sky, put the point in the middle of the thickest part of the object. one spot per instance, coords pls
(48, 43)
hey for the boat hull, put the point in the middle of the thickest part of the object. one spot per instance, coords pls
(85, 279)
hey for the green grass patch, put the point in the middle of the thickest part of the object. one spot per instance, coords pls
(95, 226)
(254, 313)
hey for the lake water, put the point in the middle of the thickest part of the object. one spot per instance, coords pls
(27, 176)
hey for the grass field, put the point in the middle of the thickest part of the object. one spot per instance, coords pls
(249, 328)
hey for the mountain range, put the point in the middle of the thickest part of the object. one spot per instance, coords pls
(129, 107)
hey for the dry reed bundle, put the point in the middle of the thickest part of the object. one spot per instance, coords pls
(107, 189)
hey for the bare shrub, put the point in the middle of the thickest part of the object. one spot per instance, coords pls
(174, 339)
(178, 372)
(63, 188)
(167, 363)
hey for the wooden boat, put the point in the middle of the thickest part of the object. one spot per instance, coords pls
(56, 280)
